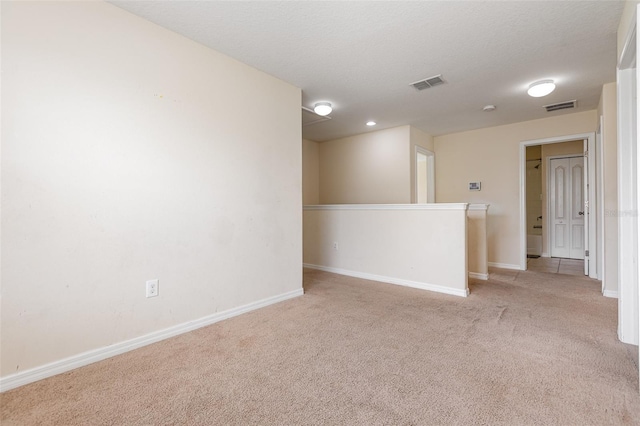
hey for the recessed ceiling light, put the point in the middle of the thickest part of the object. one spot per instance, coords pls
(322, 108)
(371, 123)
(489, 108)
(541, 88)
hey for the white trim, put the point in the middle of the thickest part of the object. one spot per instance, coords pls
(523, 213)
(80, 360)
(594, 208)
(628, 81)
(557, 139)
(505, 266)
(599, 192)
(629, 46)
(634, 36)
(478, 276)
(433, 206)
(391, 280)
(484, 207)
(545, 255)
(610, 293)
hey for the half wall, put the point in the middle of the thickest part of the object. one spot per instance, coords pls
(416, 245)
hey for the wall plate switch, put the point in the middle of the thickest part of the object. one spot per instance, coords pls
(335, 245)
(152, 288)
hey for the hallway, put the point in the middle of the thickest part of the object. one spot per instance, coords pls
(556, 265)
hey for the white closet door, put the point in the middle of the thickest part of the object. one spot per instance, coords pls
(566, 206)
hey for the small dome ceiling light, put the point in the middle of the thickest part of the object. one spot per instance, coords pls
(541, 88)
(322, 108)
(489, 108)
(371, 123)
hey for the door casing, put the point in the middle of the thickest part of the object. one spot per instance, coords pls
(593, 208)
(628, 100)
(431, 175)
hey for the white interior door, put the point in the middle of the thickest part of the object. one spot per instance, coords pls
(566, 196)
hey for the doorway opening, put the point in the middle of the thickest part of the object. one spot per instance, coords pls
(425, 176)
(566, 207)
(555, 188)
(535, 195)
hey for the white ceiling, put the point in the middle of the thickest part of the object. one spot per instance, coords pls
(361, 56)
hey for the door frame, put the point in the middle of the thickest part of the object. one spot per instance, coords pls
(593, 208)
(599, 192)
(431, 174)
(548, 191)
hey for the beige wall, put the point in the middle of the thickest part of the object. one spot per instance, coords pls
(625, 23)
(310, 172)
(573, 148)
(491, 155)
(608, 110)
(126, 156)
(421, 139)
(368, 168)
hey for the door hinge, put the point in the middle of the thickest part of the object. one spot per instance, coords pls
(586, 153)
(586, 253)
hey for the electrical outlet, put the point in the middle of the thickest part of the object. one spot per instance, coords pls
(152, 288)
(335, 245)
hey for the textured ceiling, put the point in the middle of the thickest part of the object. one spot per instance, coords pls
(362, 56)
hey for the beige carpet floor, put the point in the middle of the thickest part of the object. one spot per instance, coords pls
(524, 348)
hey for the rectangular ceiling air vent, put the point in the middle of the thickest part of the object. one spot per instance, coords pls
(561, 105)
(428, 83)
(309, 117)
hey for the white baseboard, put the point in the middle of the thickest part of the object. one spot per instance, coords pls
(504, 265)
(391, 280)
(478, 276)
(57, 367)
(610, 293)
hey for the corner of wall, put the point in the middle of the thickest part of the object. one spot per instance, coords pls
(138, 166)
(310, 172)
(626, 24)
(420, 138)
(608, 110)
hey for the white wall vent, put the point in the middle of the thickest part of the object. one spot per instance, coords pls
(428, 83)
(309, 117)
(561, 105)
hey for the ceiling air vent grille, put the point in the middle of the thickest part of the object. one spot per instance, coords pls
(428, 83)
(561, 105)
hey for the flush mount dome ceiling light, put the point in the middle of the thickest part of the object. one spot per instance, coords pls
(322, 108)
(371, 123)
(541, 88)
